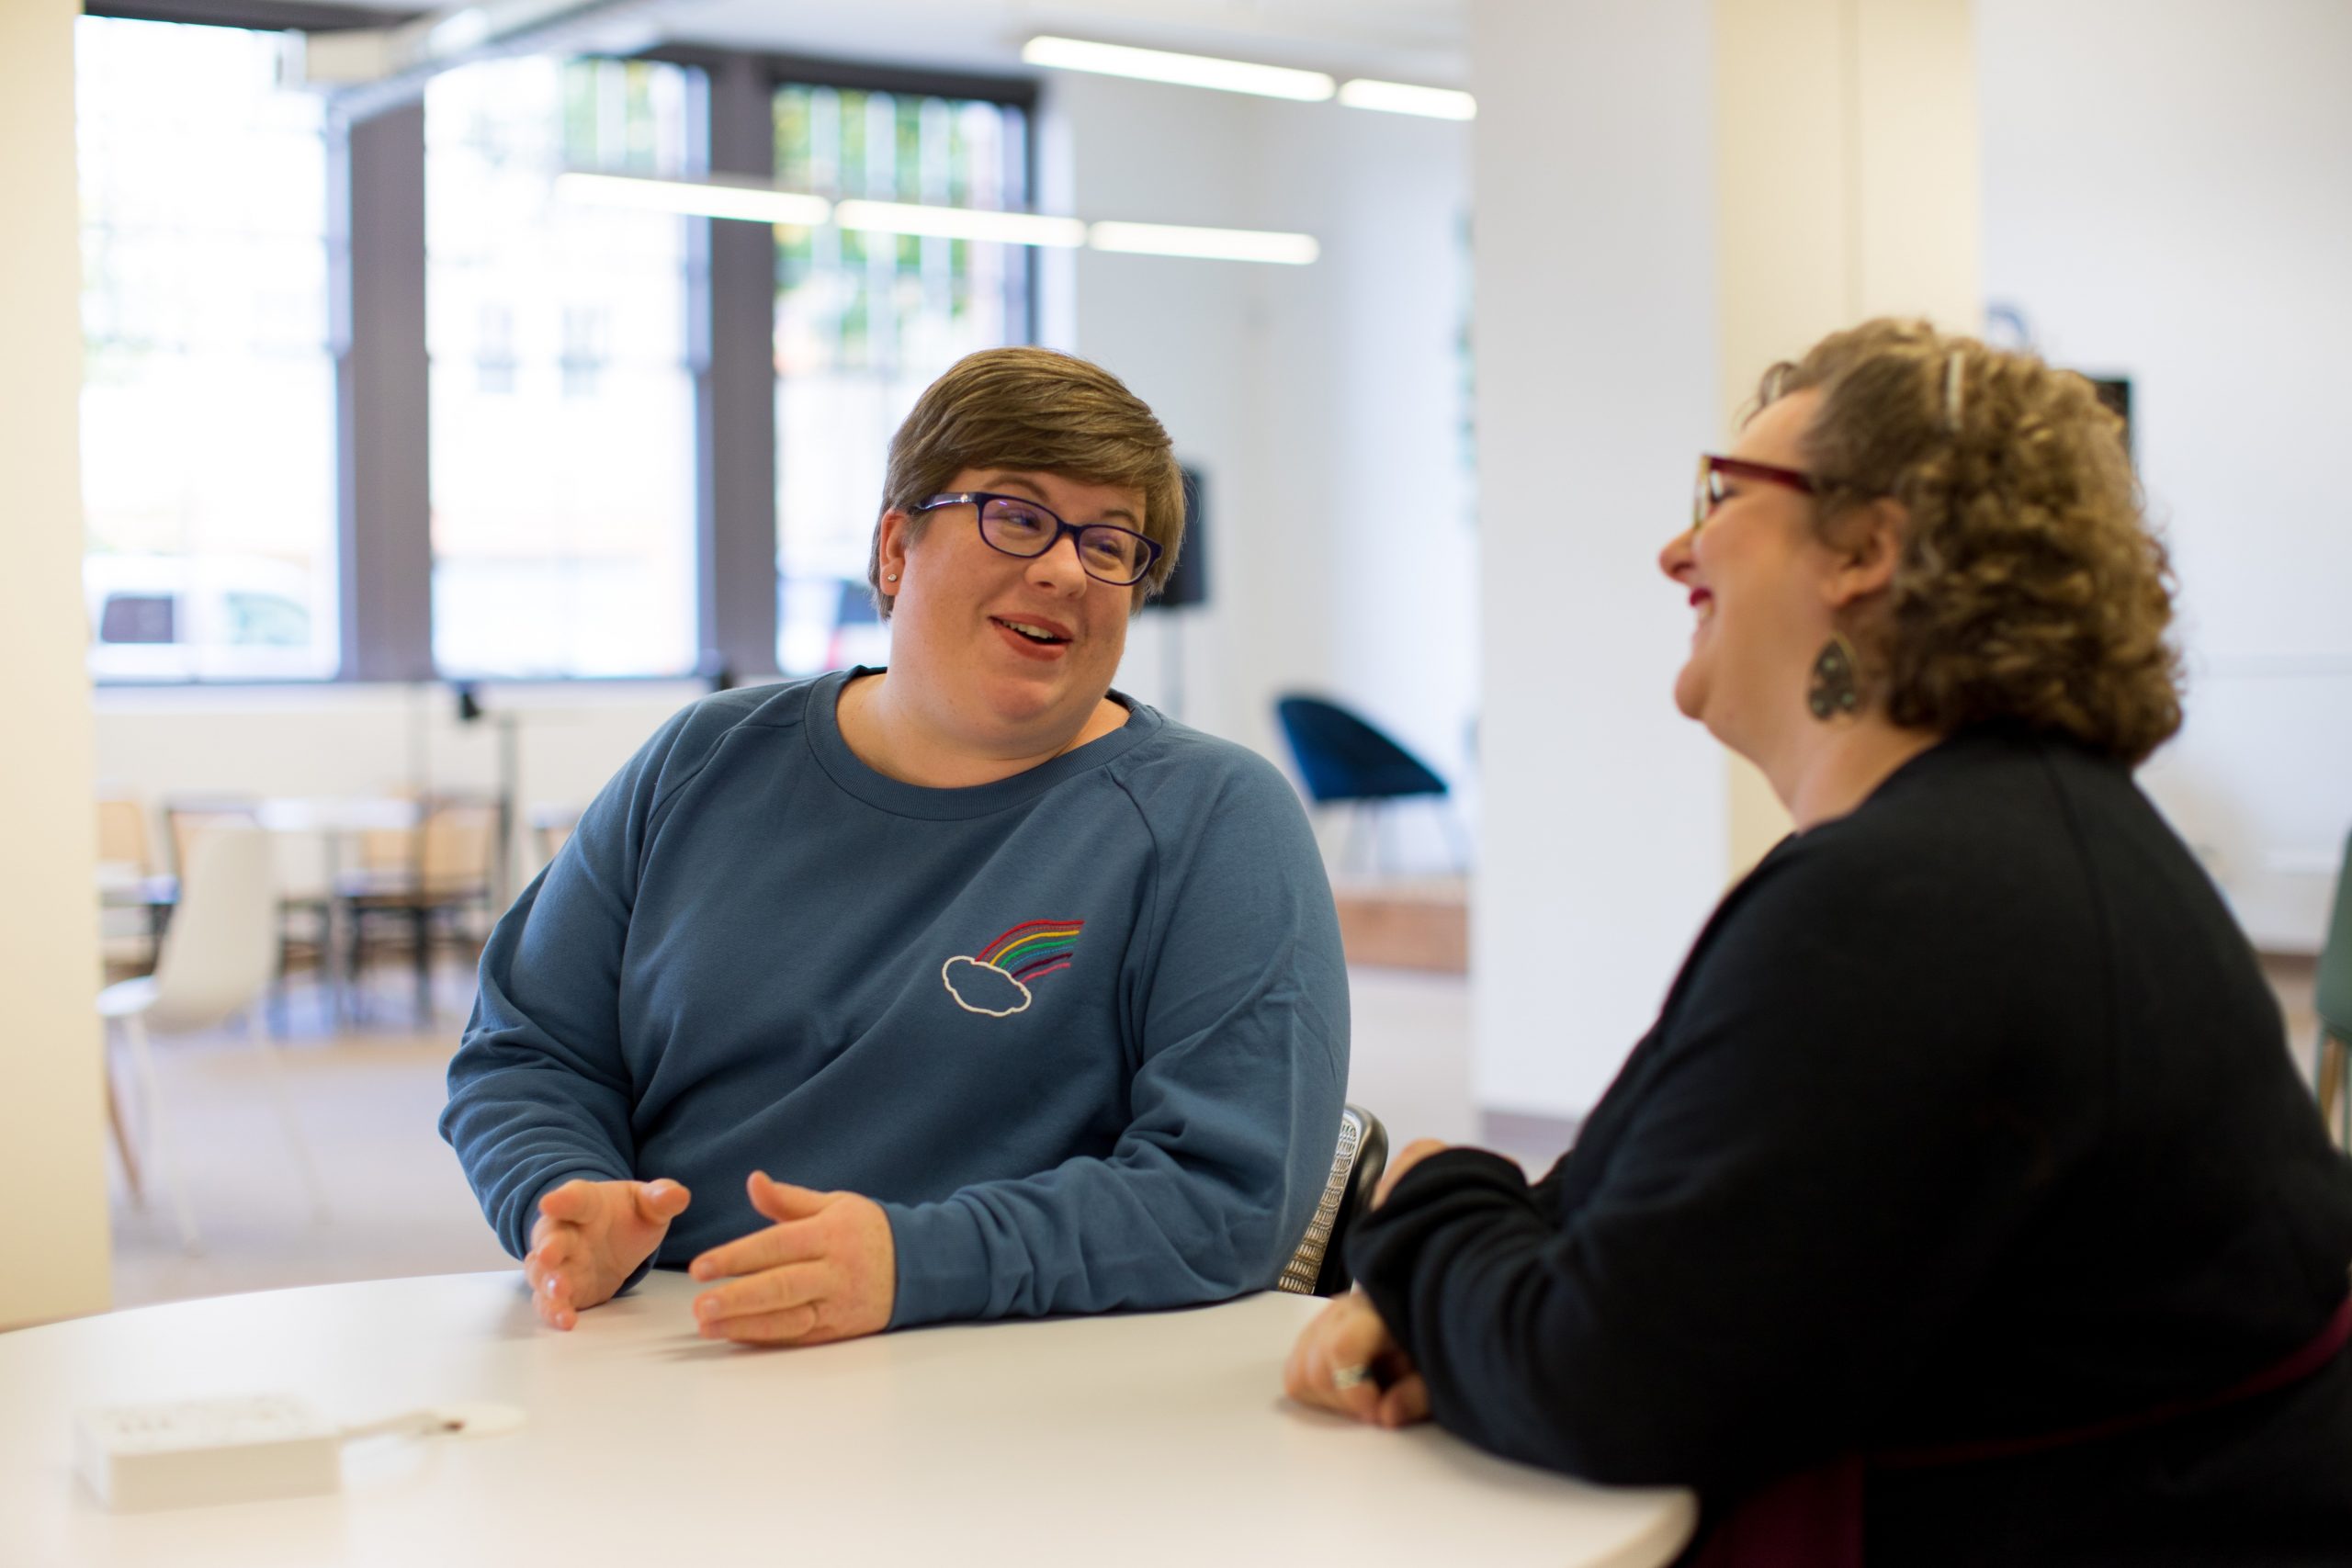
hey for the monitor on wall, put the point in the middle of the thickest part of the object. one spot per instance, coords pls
(1189, 583)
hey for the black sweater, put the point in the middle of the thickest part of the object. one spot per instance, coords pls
(1968, 1117)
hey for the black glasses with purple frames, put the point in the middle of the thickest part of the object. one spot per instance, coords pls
(1714, 470)
(1020, 526)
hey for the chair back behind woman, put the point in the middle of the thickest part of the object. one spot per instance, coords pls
(2331, 999)
(221, 949)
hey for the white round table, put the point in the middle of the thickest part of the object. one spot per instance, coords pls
(1156, 1438)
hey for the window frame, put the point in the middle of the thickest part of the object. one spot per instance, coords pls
(1008, 92)
(377, 335)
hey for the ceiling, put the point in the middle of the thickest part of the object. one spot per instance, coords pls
(1410, 40)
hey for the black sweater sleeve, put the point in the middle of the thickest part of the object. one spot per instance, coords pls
(1796, 1175)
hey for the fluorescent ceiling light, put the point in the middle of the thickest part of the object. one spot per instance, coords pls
(1399, 98)
(1213, 244)
(459, 31)
(960, 223)
(764, 204)
(758, 204)
(1184, 70)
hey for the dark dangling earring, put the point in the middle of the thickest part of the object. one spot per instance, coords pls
(1837, 688)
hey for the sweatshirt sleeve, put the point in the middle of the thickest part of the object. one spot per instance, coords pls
(539, 1089)
(1241, 1005)
(1827, 1143)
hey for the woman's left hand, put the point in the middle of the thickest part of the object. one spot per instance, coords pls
(1348, 1362)
(826, 1270)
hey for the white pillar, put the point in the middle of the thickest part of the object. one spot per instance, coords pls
(1847, 156)
(1670, 195)
(1602, 840)
(54, 1224)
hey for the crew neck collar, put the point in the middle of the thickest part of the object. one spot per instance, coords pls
(823, 728)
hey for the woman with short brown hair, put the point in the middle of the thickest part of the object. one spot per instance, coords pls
(1032, 998)
(1963, 1205)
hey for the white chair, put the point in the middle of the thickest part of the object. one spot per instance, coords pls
(218, 956)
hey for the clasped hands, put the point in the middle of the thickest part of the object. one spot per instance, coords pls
(1346, 1360)
(825, 1268)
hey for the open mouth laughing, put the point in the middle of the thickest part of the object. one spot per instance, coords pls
(1033, 634)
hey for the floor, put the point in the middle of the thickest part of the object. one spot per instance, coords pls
(367, 1098)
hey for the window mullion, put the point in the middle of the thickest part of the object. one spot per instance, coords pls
(735, 393)
(385, 500)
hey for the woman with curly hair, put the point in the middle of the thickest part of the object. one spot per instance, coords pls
(1963, 1206)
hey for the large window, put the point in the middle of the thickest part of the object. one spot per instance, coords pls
(209, 393)
(574, 447)
(562, 424)
(864, 322)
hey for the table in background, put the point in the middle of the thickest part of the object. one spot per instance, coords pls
(332, 822)
(1156, 1438)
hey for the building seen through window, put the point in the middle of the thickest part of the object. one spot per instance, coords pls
(208, 391)
(562, 424)
(864, 322)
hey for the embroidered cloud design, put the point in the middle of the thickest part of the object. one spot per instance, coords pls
(983, 988)
(995, 982)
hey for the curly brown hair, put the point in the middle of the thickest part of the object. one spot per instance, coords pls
(2027, 586)
(1043, 411)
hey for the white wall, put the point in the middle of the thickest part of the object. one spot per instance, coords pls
(53, 1227)
(1848, 186)
(1323, 402)
(1671, 197)
(2168, 196)
(1605, 831)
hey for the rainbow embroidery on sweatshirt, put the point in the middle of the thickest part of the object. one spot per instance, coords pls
(995, 981)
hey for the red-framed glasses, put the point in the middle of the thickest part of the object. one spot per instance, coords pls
(1714, 470)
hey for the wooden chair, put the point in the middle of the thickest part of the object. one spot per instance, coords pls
(129, 882)
(445, 876)
(551, 828)
(122, 834)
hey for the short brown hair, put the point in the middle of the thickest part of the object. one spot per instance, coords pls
(1034, 409)
(2028, 587)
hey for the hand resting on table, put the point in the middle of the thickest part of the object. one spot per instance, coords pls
(827, 1270)
(590, 1237)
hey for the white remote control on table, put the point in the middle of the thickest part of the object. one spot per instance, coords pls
(245, 1449)
(207, 1450)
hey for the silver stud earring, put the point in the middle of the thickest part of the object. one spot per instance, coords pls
(892, 577)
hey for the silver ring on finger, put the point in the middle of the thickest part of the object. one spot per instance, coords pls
(1346, 1378)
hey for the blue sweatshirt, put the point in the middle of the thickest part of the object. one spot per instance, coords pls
(1082, 1031)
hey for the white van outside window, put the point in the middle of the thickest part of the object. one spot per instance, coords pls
(217, 617)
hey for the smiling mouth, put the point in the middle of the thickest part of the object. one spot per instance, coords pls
(1031, 631)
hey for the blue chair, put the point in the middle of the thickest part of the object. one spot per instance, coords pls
(1345, 760)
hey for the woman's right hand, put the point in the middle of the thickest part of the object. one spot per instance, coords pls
(590, 1237)
(1348, 1362)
